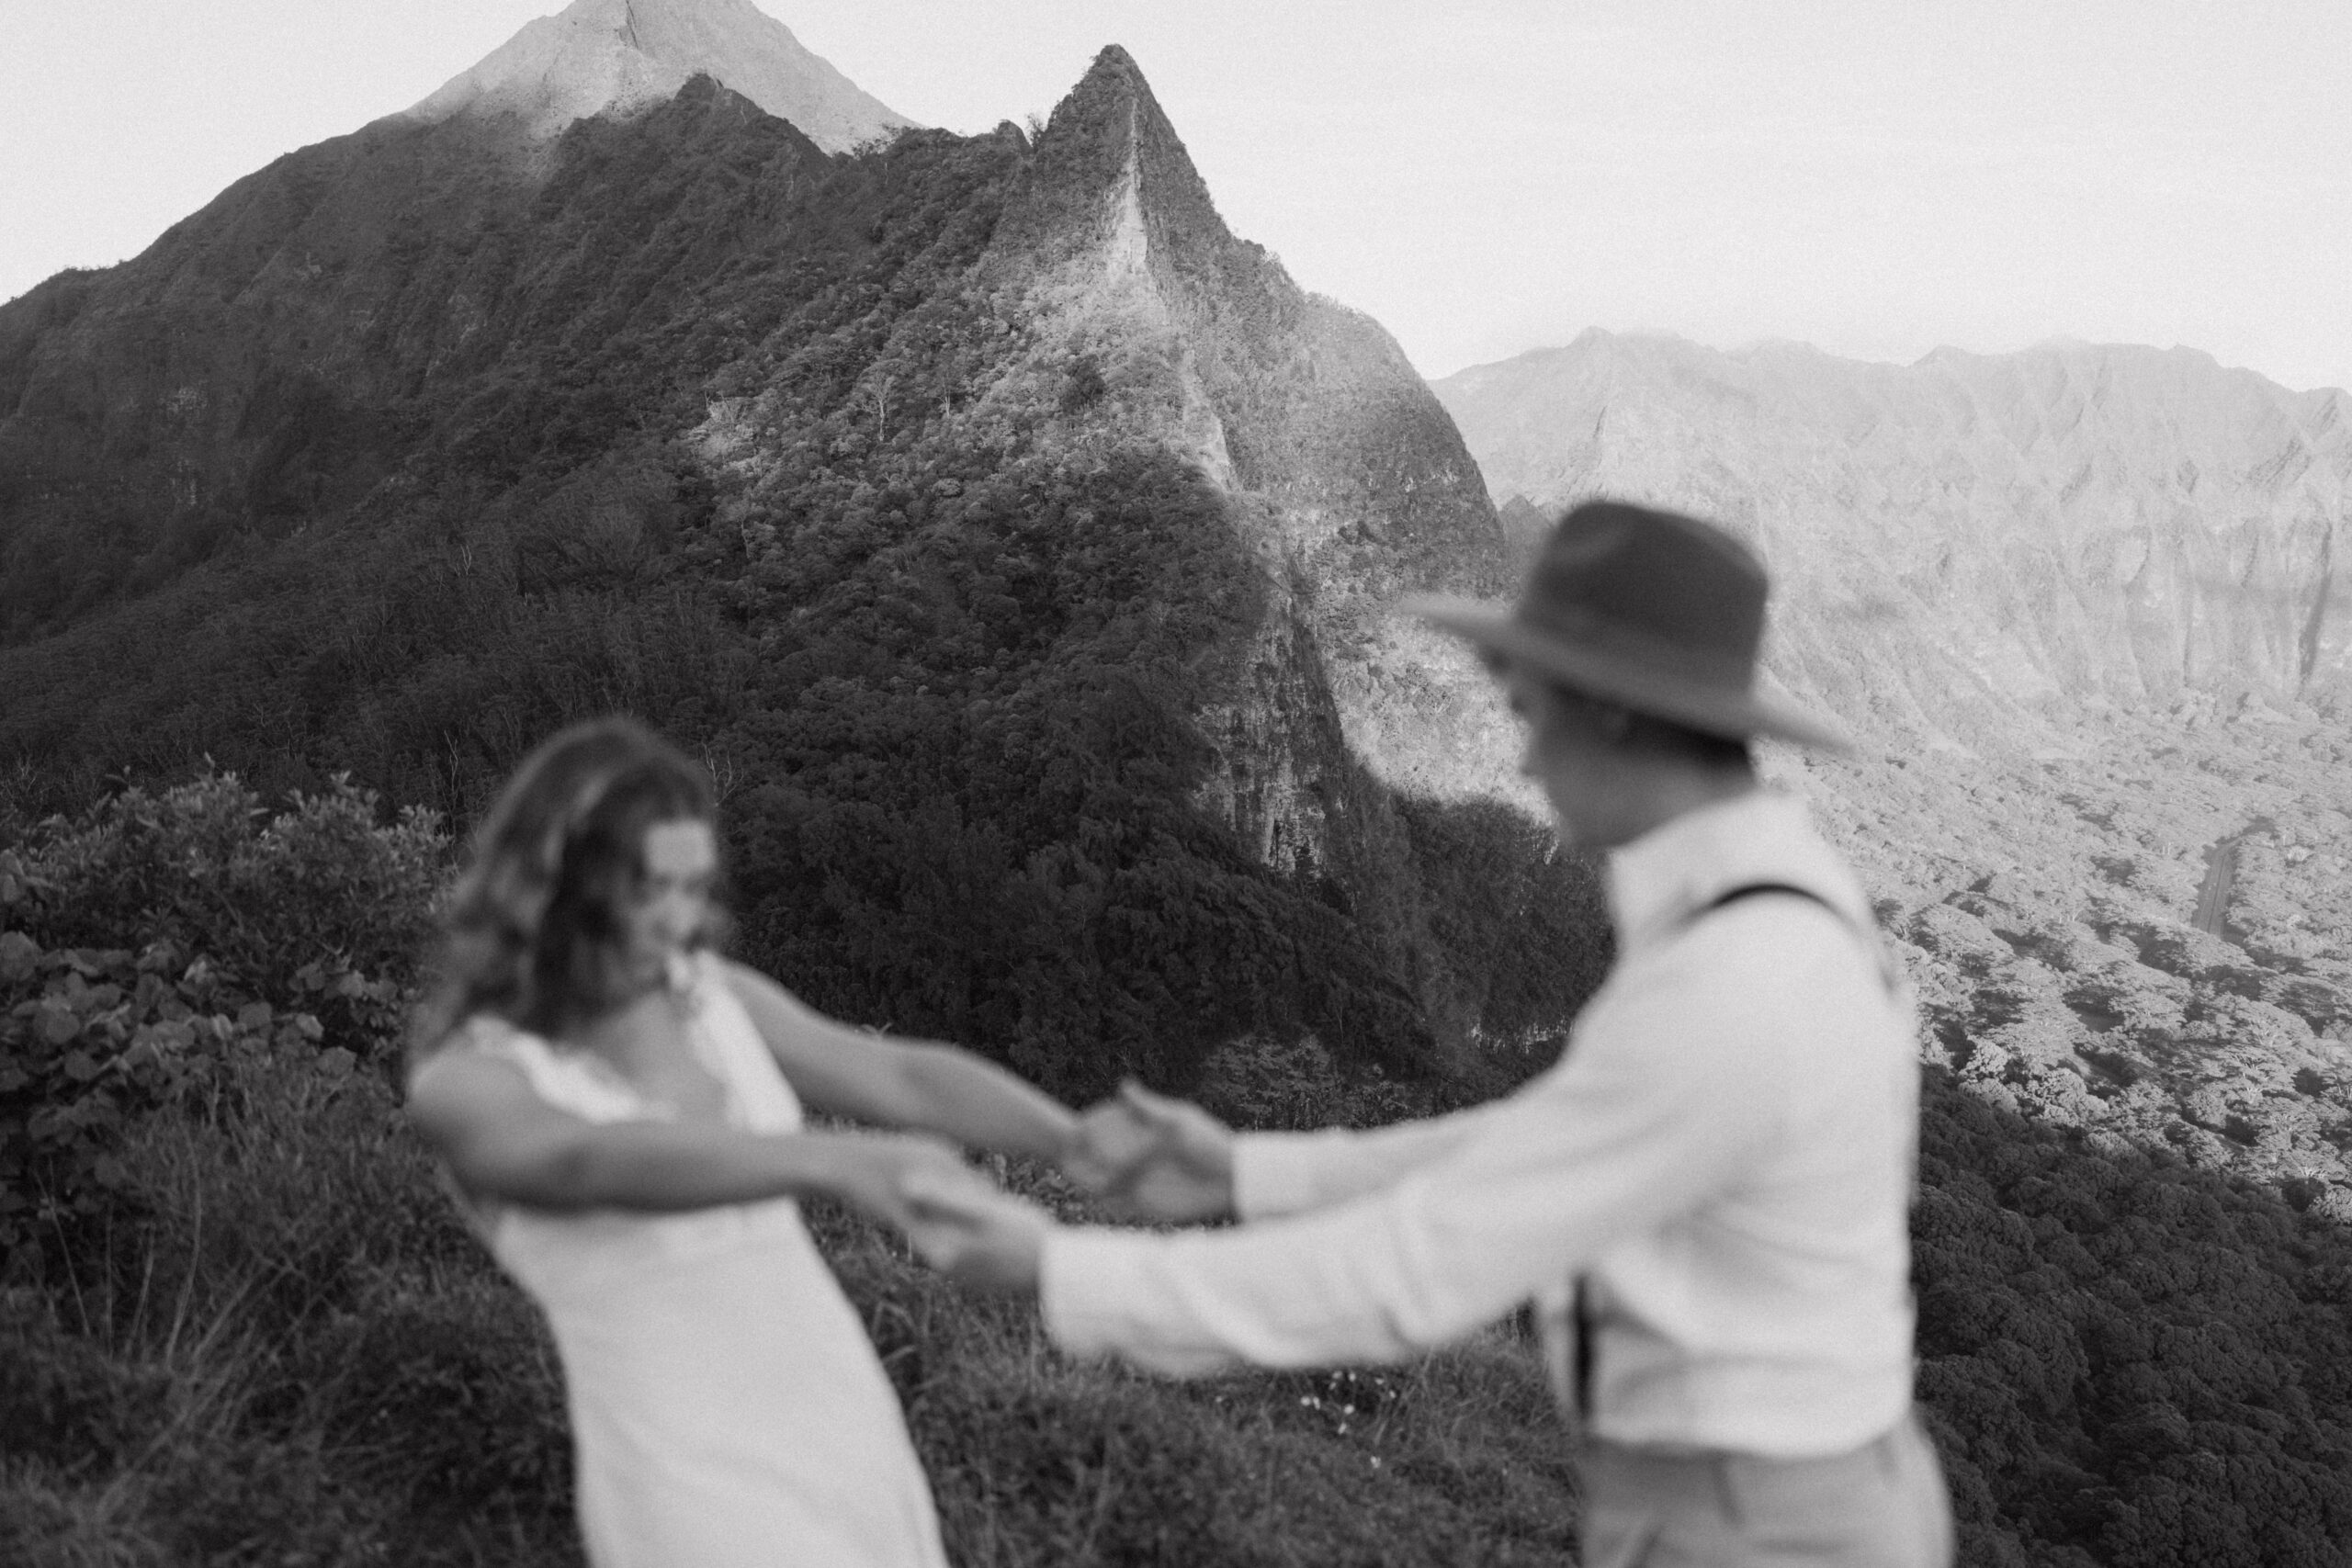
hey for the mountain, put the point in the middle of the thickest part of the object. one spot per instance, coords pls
(621, 56)
(1983, 535)
(1017, 542)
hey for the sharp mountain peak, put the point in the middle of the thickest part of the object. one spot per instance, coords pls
(1110, 138)
(615, 56)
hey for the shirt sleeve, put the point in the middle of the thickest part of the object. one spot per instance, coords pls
(1640, 1123)
(1286, 1173)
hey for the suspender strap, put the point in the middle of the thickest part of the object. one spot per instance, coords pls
(1583, 1318)
(1755, 889)
(1889, 973)
(1580, 1366)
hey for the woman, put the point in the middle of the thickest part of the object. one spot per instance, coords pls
(620, 1110)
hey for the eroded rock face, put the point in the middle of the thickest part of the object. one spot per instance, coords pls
(1340, 468)
(1980, 534)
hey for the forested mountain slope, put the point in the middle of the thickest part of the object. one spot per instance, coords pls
(1007, 532)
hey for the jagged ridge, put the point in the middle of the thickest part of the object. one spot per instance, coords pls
(424, 377)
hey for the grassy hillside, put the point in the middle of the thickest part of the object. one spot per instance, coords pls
(240, 1324)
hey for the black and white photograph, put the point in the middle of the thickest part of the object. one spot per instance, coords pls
(801, 784)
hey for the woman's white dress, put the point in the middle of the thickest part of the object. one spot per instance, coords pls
(726, 1407)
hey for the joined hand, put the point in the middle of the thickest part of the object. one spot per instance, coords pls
(873, 1168)
(1148, 1156)
(976, 1234)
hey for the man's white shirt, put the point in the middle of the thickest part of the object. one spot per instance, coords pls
(1724, 1151)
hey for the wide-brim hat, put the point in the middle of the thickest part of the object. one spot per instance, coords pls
(1658, 612)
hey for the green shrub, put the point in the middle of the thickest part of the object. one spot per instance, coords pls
(156, 940)
(317, 905)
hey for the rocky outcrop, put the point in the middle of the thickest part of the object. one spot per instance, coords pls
(1339, 467)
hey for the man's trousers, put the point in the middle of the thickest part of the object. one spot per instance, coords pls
(1881, 1506)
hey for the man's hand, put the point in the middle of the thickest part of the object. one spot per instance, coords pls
(975, 1234)
(1148, 1156)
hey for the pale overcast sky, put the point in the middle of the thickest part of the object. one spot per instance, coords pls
(1483, 176)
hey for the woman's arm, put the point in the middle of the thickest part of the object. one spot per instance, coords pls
(918, 1085)
(502, 1141)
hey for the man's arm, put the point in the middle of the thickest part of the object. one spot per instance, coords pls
(1289, 1173)
(1156, 1159)
(1629, 1131)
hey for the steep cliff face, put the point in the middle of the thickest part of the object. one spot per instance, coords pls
(1980, 534)
(1339, 467)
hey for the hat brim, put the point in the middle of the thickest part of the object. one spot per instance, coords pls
(1708, 709)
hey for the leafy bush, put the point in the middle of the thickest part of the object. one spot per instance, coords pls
(1267, 1085)
(317, 903)
(255, 933)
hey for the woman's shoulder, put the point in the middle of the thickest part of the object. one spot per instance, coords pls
(743, 983)
(483, 1039)
(711, 968)
(494, 1034)
(720, 977)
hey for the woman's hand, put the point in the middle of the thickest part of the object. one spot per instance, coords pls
(871, 1171)
(1149, 1156)
(975, 1234)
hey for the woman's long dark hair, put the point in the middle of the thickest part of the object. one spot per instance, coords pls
(532, 929)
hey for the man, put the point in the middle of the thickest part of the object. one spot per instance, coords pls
(1706, 1199)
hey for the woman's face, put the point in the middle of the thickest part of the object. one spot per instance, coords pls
(671, 905)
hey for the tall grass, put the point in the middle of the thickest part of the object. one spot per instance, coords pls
(288, 1351)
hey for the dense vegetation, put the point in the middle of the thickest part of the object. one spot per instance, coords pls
(2134, 1362)
(239, 1322)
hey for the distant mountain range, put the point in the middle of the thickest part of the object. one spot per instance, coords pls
(1968, 539)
